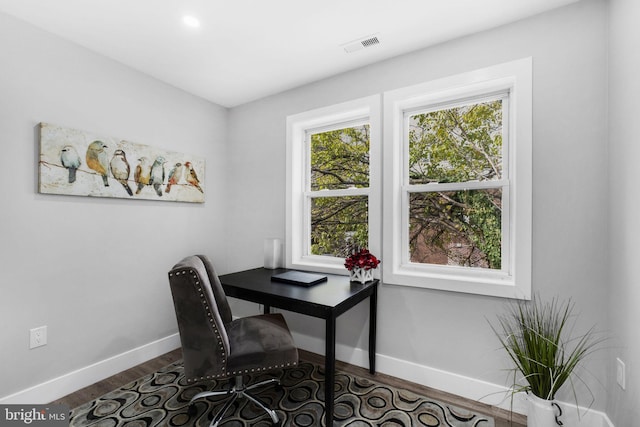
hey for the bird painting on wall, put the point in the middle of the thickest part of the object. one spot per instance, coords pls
(174, 176)
(98, 160)
(157, 174)
(80, 163)
(121, 170)
(70, 160)
(142, 174)
(192, 178)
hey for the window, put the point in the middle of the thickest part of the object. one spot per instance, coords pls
(338, 194)
(457, 182)
(457, 162)
(455, 188)
(333, 192)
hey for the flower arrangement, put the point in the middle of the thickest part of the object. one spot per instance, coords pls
(361, 259)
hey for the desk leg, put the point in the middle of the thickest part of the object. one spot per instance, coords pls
(373, 315)
(330, 369)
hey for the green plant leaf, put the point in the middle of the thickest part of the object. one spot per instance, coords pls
(534, 336)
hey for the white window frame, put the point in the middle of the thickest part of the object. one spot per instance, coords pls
(514, 279)
(298, 228)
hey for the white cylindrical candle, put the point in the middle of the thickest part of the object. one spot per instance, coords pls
(272, 253)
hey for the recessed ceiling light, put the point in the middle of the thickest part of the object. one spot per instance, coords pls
(190, 21)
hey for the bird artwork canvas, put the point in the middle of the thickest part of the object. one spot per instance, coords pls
(79, 163)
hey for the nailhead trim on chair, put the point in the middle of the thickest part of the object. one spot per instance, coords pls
(211, 321)
(215, 329)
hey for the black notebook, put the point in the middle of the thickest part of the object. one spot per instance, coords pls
(299, 278)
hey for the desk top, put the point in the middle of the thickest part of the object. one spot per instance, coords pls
(334, 296)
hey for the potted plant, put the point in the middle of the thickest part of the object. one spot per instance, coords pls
(534, 335)
(361, 265)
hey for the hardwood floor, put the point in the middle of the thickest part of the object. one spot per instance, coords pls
(91, 392)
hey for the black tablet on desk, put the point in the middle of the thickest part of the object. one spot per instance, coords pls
(299, 278)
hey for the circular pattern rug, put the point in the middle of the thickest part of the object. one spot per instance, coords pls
(162, 399)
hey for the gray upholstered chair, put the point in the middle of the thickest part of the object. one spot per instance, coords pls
(215, 346)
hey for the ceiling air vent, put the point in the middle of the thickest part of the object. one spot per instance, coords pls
(355, 45)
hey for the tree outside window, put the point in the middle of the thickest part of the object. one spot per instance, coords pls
(447, 163)
(339, 169)
(456, 145)
(462, 144)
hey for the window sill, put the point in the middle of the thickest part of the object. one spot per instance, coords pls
(496, 284)
(321, 264)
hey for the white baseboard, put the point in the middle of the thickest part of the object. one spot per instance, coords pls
(55, 388)
(460, 385)
(606, 422)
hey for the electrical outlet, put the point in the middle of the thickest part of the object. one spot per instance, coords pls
(620, 373)
(37, 337)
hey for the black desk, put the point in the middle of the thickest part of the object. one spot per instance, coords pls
(325, 300)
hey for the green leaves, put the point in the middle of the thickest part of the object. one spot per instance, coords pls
(534, 336)
(338, 224)
(451, 145)
(457, 144)
(340, 159)
(461, 227)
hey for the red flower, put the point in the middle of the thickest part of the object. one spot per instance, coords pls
(362, 259)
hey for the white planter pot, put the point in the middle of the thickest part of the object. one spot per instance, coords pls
(361, 275)
(541, 412)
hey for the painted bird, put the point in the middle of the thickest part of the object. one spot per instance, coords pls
(157, 174)
(192, 178)
(98, 161)
(70, 160)
(121, 170)
(142, 174)
(174, 176)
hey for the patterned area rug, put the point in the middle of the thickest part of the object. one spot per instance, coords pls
(161, 399)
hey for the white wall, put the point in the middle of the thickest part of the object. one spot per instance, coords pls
(624, 131)
(449, 331)
(93, 270)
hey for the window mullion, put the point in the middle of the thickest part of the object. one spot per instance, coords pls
(455, 186)
(404, 256)
(338, 193)
(507, 220)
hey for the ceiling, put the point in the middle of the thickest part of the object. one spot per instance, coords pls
(244, 50)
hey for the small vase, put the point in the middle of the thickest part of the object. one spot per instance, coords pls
(541, 412)
(361, 275)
